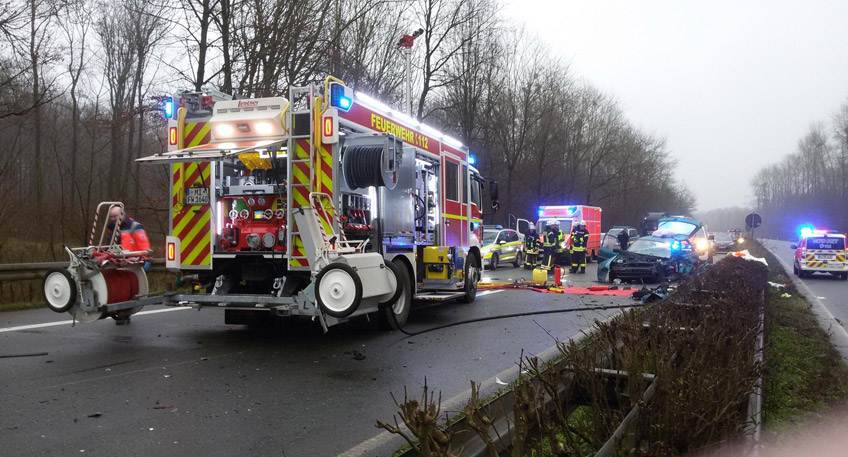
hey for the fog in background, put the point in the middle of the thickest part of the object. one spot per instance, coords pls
(732, 85)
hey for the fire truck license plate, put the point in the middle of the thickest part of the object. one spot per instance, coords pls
(197, 196)
(825, 256)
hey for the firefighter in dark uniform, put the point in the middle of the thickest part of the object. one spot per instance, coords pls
(531, 248)
(559, 260)
(549, 245)
(579, 242)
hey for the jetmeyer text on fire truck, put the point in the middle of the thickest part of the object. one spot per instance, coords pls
(327, 204)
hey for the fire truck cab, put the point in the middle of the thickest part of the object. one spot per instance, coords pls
(327, 205)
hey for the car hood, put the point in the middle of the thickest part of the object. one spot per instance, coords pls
(677, 226)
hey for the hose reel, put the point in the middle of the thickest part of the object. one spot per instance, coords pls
(372, 164)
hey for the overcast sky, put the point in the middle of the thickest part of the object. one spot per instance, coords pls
(732, 84)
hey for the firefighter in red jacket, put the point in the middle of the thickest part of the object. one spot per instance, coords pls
(133, 236)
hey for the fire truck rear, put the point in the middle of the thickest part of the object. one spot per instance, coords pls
(326, 204)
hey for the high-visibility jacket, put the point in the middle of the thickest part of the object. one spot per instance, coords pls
(560, 239)
(579, 240)
(133, 236)
(532, 243)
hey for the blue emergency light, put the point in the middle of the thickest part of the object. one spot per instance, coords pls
(472, 160)
(806, 230)
(541, 211)
(675, 246)
(339, 98)
(169, 107)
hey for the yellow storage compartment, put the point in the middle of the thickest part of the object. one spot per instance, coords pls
(436, 254)
(540, 275)
(436, 260)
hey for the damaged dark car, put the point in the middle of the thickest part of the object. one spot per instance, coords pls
(651, 259)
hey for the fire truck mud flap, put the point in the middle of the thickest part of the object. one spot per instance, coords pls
(339, 287)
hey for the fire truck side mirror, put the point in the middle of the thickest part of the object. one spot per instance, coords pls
(493, 195)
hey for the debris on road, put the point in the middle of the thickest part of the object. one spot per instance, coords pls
(33, 354)
(747, 256)
(651, 295)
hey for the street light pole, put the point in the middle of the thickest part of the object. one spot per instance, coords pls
(407, 94)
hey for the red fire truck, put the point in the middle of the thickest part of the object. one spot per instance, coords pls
(327, 204)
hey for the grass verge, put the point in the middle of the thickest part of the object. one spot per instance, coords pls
(804, 376)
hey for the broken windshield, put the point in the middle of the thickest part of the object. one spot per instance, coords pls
(651, 247)
(671, 228)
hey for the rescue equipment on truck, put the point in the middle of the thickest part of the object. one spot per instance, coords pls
(324, 205)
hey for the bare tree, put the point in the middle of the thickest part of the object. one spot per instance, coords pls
(114, 28)
(443, 22)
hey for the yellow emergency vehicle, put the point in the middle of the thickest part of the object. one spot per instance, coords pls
(820, 251)
(500, 244)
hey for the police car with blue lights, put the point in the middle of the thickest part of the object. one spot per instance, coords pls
(820, 251)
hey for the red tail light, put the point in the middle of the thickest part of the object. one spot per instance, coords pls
(172, 251)
(172, 136)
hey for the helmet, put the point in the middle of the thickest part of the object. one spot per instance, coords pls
(555, 222)
(582, 222)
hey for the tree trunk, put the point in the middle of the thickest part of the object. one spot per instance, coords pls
(38, 183)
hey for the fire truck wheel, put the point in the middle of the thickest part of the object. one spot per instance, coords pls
(338, 290)
(472, 275)
(60, 290)
(395, 316)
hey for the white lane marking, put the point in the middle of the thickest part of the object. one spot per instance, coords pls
(53, 324)
(488, 292)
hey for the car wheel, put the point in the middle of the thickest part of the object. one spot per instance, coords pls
(795, 269)
(844, 276)
(494, 263)
(471, 275)
(519, 259)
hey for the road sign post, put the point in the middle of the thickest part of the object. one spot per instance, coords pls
(753, 221)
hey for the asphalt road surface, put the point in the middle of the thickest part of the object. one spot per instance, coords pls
(828, 290)
(179, 381)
